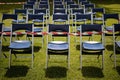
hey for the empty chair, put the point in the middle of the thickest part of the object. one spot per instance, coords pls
(42, 11)
(82, 19)
(8, 19)
(88, 8)
(94, 46)
(38, 21)
(29, 8)
(22, 13)
(79, 1)
(61, 18)
(21, 46)
(116, 42)
(57, 2)
(98, 15)
(113, 18)
(61, 46)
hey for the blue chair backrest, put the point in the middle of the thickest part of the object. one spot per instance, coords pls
(60, 16)
(26, 26)
(9, 16)
(83, 16)
(101, 10)
(58, 27)
(44, 6)
(74, 6)
(112, 16)
(58, 6)
(40, 11)
(79, 10)
(28, 6)
(18, 11)
(91, 27)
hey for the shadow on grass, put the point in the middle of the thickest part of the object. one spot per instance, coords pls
(56, 72)
(118, 69)
(37, 48)
(109, 47)
(77, 47)
(92, 72)
(17, 71)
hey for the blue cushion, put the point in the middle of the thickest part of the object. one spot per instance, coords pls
(98, 19)
(58, 45)
(91, 45)
(23, 44)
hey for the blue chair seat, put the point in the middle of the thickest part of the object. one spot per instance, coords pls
(6, 29)
(23, 44)
(37, 29)
(14, 21)
(98, 19)
(37, 20)
(93, 45)
(21, 21)
(109, 28)
(118, 43)
(58, 45)
(59, 20)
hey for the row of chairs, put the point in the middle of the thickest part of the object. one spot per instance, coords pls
(62, 47)
(55, 47)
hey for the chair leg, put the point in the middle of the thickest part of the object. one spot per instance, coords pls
(102, 59)
(46, 60)
(10, 57)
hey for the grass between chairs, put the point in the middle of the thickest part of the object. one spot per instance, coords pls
(57, 70)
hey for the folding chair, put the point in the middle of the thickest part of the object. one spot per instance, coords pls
(37, 20)
(29, 8)
(111, 19)
(88, 8)
(22, 13)
(61, 46)
(84, 18)
(43, 12)
(21, 46)
(98, 15)
(45, 6)
(116, 41)
(60, 18)
(94, 46)
(7, 20)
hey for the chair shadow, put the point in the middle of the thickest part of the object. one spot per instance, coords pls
(37, 48)
(109, 47)
(56, 72)
(118, 69)
(92, 72)
(77, 47)
(17, 71)
(5, 48)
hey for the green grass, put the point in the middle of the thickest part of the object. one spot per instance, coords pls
(57, 69)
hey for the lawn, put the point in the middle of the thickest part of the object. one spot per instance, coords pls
(57, 68)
